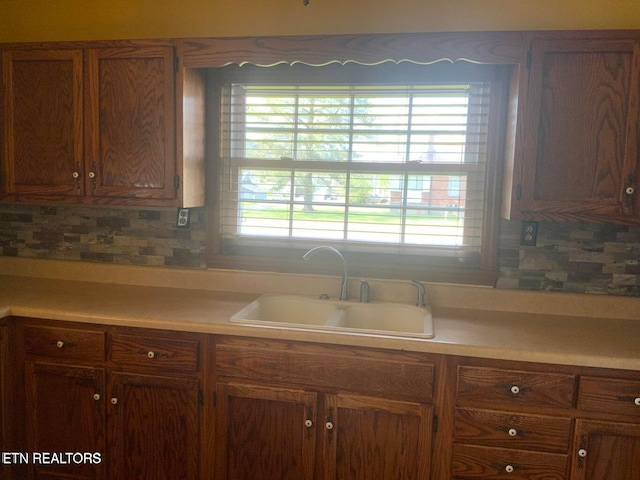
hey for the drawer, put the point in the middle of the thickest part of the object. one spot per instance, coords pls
(63, 343)
(609, 396)
(508, 430)
(479, 385)
(470, 461)
(158, 353)
(353, 369)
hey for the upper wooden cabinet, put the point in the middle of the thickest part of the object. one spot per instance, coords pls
(577, 155)
(102, 126)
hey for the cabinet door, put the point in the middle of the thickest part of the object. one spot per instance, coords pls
(265, 433)
(368, 437)
(43, 122)
(65, 413)
(606, 450)
(581, 140)
(154, 427)
(130, 123)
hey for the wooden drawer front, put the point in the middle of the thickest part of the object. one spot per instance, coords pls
(511, 387)
(61, 343)
(485, 462)
(500, 429)
(609, 396)
(161, 353)
(354, 369)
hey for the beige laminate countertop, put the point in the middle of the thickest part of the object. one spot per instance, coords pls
(539, 337)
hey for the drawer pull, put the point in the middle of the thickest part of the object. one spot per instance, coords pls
(515, 389)
(152, 354)
(582, 453)
(508, 468)
(96, 396)
(308, 423)
(59, 344)
(512, 432)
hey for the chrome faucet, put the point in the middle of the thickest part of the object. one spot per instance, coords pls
(344, 287)
(421, 293)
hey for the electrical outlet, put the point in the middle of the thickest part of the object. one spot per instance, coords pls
(529, 234)
(182, 220)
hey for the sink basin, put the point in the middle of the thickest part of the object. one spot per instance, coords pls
(376, 318)
(386, 319)
(286, 310)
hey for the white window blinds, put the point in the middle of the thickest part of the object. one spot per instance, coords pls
(389, 167)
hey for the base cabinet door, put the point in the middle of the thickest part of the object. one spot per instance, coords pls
(369, 437)
(606, 450)
(65, 421)
(154, 424)
(265, 433)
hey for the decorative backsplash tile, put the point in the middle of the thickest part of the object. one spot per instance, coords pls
(573, 258)
(126, 236)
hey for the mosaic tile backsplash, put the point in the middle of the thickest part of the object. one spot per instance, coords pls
(575, 258)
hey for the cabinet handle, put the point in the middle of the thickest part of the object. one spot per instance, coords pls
(512, 432)
(637, 401)
(96, 396)
(114, 401)
(59, 344)
(308, 423)
(629, 190)
(508, 468)
(151, 354)
(76, 175)
(329, 425)
(92, 175)
(582, 453)
(515, 389)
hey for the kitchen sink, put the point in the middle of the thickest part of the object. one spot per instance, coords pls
(376, 318)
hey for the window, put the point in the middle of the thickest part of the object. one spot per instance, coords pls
(388, 162)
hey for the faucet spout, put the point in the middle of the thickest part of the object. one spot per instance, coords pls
(344, 287)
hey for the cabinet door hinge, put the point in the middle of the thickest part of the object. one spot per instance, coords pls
(176, 182)
(435, 423)
(529, 59)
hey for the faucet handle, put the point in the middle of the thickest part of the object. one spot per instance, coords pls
(421, 302)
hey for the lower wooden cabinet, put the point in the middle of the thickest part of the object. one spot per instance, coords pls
(305, 423)
(606, 450)
(4, 393)
(148, 404)
(110, 403)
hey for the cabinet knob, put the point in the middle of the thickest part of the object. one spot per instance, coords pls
(151, 354)
(508, 468)
(637, 401)
(92, 174)
(329, 425)
(114, 401)
(512, 432)
(629, 190)
(76, 175)
(96, 396)
(582, 453)
(308, 423)
(59, 344)
(515, 389)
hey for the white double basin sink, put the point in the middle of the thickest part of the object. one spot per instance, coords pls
(300, 312)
